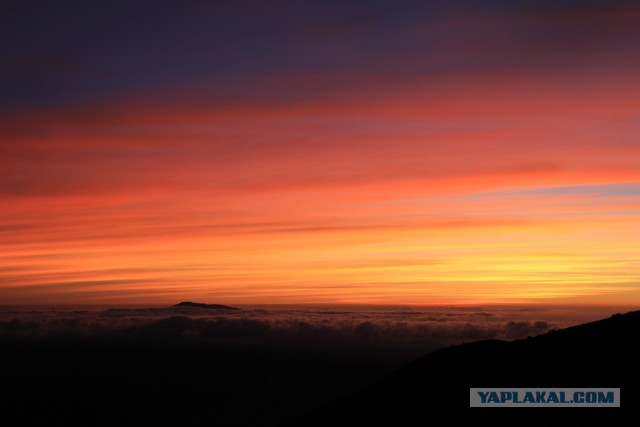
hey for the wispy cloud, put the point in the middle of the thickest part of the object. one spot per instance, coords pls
(321, 152)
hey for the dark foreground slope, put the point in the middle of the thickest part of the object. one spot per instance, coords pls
(161, 379)
(434, 390)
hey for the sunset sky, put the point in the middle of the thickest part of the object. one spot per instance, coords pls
(415, 152)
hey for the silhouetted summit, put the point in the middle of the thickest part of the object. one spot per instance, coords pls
(434, 390)
(205, 306)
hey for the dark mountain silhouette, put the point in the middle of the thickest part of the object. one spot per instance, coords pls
(164, 376)
(190, 304)
(434, 390)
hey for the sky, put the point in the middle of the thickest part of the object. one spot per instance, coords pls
(291, 152)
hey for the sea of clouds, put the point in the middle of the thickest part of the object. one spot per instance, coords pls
(409, 331)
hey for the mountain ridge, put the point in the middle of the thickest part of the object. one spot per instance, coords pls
(434, 389)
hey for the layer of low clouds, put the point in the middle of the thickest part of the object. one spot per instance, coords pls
(405, 332)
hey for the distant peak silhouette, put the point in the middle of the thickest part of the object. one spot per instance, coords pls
(190, 304)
